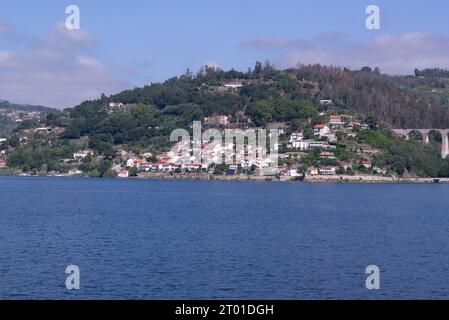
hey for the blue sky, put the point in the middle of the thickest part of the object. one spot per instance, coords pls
(135, 42)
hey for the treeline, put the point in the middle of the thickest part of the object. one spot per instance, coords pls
(408, 156)
(38, 156)
(6, 125)
(26, 107)
(181, 99)
(432, 73)
(369, 92)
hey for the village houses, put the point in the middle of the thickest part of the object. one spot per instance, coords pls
(79, 155)
(321, 130)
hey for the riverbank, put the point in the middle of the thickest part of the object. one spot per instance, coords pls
(372, 179)
(256, 178)
(308, 179)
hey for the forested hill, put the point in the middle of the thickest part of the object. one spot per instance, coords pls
(6, 105)
(266, 95)
(11, 115)
(299, 100)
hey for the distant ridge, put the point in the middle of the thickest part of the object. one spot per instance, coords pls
(5, 104)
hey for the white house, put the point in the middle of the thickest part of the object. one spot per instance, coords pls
(326, 102)
(166, 167)
(321, 130)
(312, 171)
(356, 123)
(81, 154)
(123, 174)
(302, 145)
(75, 172)
(197, 166)
(246, 163)
(130, 163)
(293, 173)
(296, 136)
(328, 171)
(116, 105)
(321, 144)
(43, 130)
(336, 120)
(295, 139)
(233, 84)
(380, 170)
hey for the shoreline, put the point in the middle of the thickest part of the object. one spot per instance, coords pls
(369, 179)
(373, 179)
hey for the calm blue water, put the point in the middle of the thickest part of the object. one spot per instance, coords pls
(210, 240)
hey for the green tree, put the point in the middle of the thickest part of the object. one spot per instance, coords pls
(109, 174)
(103, 167)
(262, 112)
(220, 169)
(133, 172)
(398, 164)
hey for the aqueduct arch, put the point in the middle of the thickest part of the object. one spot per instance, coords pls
(405, 133)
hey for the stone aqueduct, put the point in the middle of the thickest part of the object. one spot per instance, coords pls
(425, 137)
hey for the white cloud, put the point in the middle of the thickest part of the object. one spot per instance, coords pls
(56, 70)
(276, 43)
(61, 39)
(5, 28)
(89, 62)
(394, 54)
(331, 36)
(4, 57)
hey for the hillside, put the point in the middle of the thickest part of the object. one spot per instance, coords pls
(431, 82)
(139, 121)
(394, 100)
(12, 115)
(4, 104)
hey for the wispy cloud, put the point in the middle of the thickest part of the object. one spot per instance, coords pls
(7, 31)
(56, 70)
(4, 27)
(276, 43)
(394, 54)
(331, 36)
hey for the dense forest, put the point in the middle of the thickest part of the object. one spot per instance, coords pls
(181, 99)
(432, 73)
